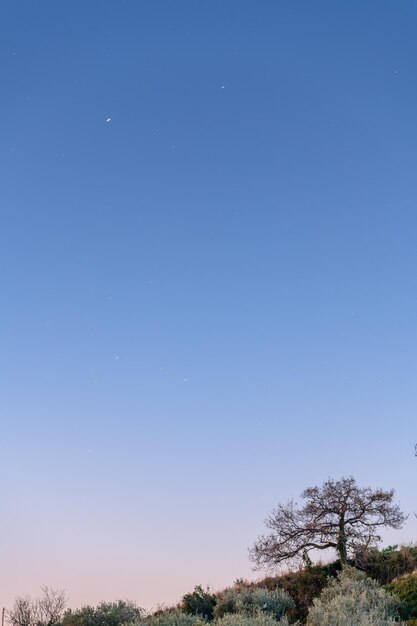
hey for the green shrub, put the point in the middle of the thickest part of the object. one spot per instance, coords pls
(254, 618)
(170, 617)
(352, 599)
(306, 584)
(199, 602)
(104, 614)
(250, 600)
(406, 589)
(226, 603)
(388, 564)
(303, 586)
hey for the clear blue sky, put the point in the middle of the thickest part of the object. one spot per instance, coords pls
(209, 288)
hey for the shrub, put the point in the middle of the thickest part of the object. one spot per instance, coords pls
(406, 589)
(254, 618)
(251, 600)
(104, 614)
(385, 565)
(353, 600)
(199, 602)
(303, 586)
(226, 603)
(306, 584)
(170, 617)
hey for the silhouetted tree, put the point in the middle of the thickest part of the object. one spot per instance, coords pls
(338, 515)
(47, 610)
(24, 612)
(51, 606)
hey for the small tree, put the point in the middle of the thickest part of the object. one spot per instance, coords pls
(24, 612)
(338, 515)
(51, 606)
(47, 610)
(200, 602)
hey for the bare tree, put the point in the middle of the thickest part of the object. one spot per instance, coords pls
(24, 612)
(47, 610)
(51, 606)
(337, 515)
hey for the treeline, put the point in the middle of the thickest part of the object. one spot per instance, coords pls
(376, 588)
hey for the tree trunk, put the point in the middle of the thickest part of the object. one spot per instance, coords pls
(341, 544)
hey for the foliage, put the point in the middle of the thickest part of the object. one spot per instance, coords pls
(406, 589)
(338, 515)
(200, 602)
(251, 600)
(169, 617)
(303, 586)
(387, 564)
(353, 599)
(290, 595)
(104, 614)
(226, 603)
(255, 618)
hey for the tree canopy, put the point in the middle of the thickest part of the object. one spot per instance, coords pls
(338, 515)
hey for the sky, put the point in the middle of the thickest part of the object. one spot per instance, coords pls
(209, 291)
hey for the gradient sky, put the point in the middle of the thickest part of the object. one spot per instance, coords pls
(208, 248)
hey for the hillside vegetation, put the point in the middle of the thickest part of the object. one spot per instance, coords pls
(376, 588)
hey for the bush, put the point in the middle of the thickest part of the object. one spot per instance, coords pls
(385, 565)
(104, 614)
(303, 586)
(406, 589)
(306, 584)
(353, 600)
(170, 617)
(254, 618)
(199, 602)
(252, 600)
(226, 603)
